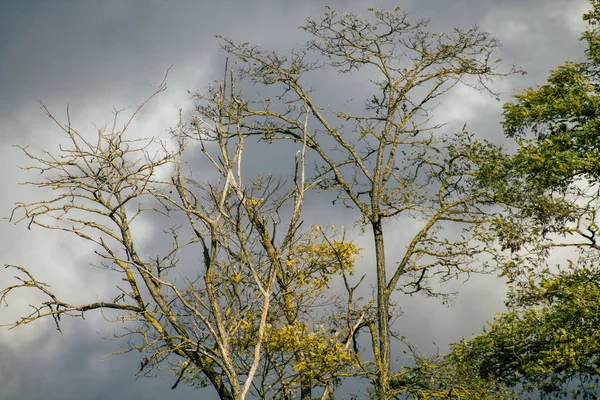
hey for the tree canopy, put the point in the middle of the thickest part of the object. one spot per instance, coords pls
(547, 340)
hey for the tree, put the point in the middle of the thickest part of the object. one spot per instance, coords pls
(219, 320)
(548, 338)
(243, 322)
(547, 341)
(392, 162)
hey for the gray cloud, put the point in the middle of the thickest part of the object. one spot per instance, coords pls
(95, 55)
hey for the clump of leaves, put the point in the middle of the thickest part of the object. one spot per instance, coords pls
(324, 353)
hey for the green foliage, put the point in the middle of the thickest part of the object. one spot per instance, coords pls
(449, 377)
(548, 340)
(563, 116)
(591, 35)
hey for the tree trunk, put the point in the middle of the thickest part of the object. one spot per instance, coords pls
(383, 360)
(305, 389)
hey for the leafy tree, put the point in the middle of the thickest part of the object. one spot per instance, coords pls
(548, 341)
(548, 338)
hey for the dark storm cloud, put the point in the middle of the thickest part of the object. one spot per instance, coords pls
(48, 369)
(94, 55)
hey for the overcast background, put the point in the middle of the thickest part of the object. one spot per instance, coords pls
(96, 55)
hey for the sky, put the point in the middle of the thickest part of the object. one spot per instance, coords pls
(94, 56)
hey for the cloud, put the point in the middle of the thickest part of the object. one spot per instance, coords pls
(97, 55)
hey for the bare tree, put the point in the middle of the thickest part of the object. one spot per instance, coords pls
(244, 321)
(392, 161)
(218, 323)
